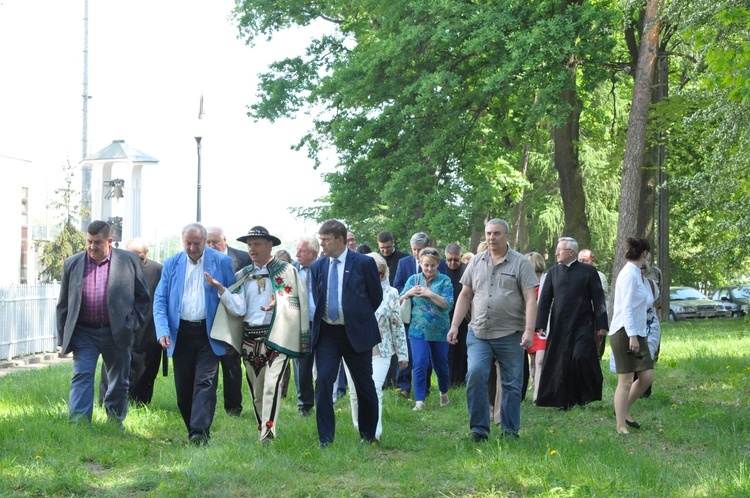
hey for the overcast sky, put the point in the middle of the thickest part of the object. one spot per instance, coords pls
(149, 63)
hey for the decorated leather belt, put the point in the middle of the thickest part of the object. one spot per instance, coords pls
(253, 333)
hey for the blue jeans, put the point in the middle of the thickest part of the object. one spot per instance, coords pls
(87, 344)
(422, 351)
(509, 354)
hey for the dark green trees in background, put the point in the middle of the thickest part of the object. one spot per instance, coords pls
(444, 113)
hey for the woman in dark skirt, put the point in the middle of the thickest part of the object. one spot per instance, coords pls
(628, 332)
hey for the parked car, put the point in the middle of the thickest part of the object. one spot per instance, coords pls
(738, 295)
(686, 302)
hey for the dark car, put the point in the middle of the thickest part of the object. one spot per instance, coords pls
(686, 302)
(739, 295)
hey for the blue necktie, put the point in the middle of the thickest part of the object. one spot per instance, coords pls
(333, 291)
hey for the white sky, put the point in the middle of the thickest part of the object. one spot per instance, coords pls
(149, 63)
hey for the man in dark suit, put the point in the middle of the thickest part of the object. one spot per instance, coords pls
(231, 364)
(457, 360)
(307, 252)
(146, 353)
(346, 290)
(103, 301)
(573, 299)
(387, 248)
(184, 310)
(406, 268)
(410, 266)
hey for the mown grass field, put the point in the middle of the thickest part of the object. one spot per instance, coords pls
(694, 442)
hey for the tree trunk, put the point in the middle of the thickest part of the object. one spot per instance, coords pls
(647, 203)
(636, 137)
(568, 167)
(520, 221)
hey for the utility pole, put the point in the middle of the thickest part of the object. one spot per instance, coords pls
(85, 170)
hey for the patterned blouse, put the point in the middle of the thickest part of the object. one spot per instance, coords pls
(392, 332)
(428, 320)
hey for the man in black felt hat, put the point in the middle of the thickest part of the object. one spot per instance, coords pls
(273, 303)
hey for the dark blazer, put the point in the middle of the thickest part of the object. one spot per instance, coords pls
(128, 299)
(408, 267)
(361, 294)
(145, 336)
(240, 259)
(392, 262)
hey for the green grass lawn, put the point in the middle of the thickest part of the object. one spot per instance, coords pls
(694, 442)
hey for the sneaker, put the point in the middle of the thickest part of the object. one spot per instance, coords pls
(444, 401)
(418, 406)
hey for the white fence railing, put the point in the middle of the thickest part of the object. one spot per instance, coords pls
(27, 319)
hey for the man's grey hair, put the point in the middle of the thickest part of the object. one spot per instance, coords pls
(453, 249)
(312, 243)
(498, 221)
(195, 227)
(571, 242)
(216, 230)
(419, 238)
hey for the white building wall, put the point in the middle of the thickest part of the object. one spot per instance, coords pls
(14, 176)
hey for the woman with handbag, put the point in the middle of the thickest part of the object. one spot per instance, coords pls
(431, 293)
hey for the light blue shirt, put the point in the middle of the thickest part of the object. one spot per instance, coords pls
(340, 269)
(304, 274)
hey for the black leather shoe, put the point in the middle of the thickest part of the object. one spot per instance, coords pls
(477, 437)
(633, 424)
(198, 440)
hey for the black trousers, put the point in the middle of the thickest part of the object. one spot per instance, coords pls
(144, 367)
(231, 371)
(195, 366)
(303, 378)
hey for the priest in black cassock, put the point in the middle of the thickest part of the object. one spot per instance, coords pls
(573, 298)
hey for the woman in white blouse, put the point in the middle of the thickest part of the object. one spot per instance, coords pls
(628, 333)
(393, 341)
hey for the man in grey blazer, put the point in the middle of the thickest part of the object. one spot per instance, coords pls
(103, 300)
(231, 366)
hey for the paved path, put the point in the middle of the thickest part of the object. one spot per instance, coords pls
(31, 362)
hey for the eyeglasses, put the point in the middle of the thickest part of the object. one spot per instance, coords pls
(453, 260)
(430, 252)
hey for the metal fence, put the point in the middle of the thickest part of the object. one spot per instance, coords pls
(27, 319)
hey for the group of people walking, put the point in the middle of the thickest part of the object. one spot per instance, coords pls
(388, 316)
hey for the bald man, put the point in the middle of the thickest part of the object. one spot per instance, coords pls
(146, 353)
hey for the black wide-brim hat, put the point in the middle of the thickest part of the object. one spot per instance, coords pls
(259, 231)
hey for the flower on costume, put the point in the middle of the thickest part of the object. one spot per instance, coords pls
(269, 424)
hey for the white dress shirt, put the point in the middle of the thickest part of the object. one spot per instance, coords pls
(251, 296)
(193, 306)
(631, 302)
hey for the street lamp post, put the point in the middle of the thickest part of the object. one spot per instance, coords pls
(198, 137)
(198, 213)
